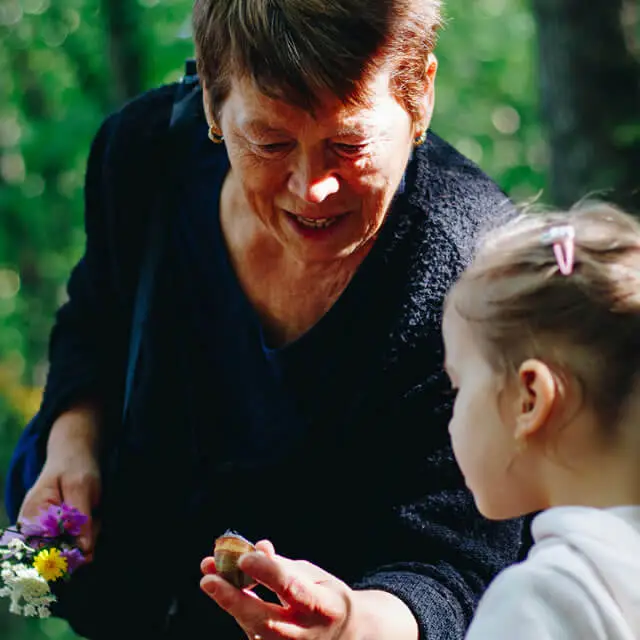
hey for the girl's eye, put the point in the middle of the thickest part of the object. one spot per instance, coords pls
(350, 150)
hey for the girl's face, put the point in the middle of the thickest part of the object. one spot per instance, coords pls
(482, 426)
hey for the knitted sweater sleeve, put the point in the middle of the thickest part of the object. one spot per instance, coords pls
(89, 341)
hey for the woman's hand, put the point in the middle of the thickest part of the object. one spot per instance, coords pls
(314, 604)
(71, 472)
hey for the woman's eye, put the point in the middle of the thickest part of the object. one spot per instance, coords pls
(275, 147)
(350, 150)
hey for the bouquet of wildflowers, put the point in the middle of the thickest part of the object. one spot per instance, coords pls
(36, 553)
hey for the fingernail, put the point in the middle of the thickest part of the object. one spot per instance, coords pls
(205, 585)
(242, 560)
(213, 582)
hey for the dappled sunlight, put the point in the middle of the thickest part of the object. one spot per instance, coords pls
(67, 64)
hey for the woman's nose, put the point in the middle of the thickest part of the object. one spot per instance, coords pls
(313, 182)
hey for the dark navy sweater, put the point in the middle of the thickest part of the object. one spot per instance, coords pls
(334, 447)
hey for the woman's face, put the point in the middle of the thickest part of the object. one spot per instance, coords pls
(319, 184)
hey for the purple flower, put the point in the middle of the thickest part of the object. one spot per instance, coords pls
(9, 535)
(13, 545)
(64, 519)
(73, 520)
(56, 520)
(74, 557)
(33, 528)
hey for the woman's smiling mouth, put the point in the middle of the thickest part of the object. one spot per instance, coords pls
(315, 223)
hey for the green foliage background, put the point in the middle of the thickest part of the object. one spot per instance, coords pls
(56, 85)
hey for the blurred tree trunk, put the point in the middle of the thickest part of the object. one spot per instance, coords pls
(590, 98)
(126, 47)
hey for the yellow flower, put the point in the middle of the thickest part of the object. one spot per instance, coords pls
(50, 564)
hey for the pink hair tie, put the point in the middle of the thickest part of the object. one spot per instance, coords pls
(562, 238)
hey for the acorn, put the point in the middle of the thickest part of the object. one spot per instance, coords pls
(227, 550)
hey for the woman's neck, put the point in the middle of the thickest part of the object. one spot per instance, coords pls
(288, 294)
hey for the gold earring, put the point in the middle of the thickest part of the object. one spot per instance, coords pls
(418, 140)
(215, 135)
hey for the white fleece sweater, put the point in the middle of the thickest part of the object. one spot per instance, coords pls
(581, 581)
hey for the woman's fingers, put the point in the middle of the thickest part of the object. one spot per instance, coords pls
(266, 546)
(75, 481)
(253, 614)
(313, 601)
(208, 566)
(312, 593)
(44, 492)
(82, 491)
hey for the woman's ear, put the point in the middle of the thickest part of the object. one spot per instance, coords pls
(206, 104)
(428, 99)
(537, 392)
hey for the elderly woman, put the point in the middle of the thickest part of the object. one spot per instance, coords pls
(290, 384)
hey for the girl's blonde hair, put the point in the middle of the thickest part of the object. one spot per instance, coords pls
(585, 325)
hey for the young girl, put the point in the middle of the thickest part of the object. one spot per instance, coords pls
(542, 341)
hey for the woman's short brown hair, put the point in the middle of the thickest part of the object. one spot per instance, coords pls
(298, 50)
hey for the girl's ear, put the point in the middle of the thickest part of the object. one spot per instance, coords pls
(537, 392)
